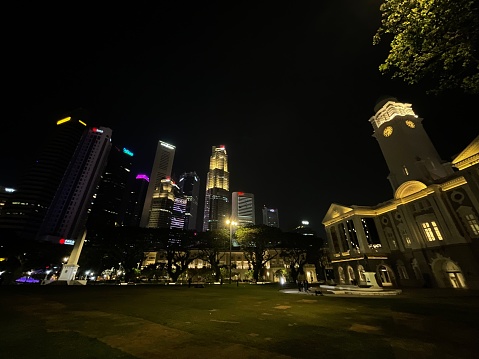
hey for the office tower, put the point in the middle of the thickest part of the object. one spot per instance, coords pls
(161, 209)
(136, 200)
(189, 184)
(217, 207)
(406, 147)
(25, 210)
(111, 198)
(68, 212)
(270, 217)
(178, 212)
(242, 208)
(162, 165)
(5, 194)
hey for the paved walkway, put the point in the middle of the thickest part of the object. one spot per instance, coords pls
(354, 291)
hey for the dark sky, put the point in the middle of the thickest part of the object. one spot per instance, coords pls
(288, 87)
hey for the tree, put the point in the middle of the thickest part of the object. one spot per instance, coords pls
(259, 244)
(212, 249)
(294, 250)
(433, 41)
(178, 252)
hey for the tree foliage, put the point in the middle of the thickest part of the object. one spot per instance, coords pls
(433, 41)
(259, 244)
(212, 248)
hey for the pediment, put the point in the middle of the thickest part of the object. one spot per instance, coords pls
(336, 210)
(469, 156)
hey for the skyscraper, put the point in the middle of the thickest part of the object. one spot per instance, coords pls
(162, 165)
(136, 200)
(163, 207)
(270, 217)
(242, 208)
(25, 210)
(68, 212)
(189, 184)
(111, 198)
(217, 203)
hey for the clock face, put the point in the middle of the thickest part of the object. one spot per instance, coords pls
(410, 123)
(388, 131)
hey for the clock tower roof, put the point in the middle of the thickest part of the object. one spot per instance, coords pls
(382, 100)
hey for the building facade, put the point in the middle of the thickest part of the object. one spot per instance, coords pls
(242, 208)
(270, 216)
(68, 212)
(111, 198)
(217, 198)
(162, 166)
(136, 200)
(189, 184)
(427, 235)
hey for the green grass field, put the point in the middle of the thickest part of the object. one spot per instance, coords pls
(229, 321)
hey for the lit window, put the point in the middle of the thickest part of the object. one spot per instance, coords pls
(431, 230)
(472, 221)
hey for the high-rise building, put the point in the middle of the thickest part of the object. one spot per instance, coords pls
(5, 194)
(270, 217)
(162, 165)
(163, 205)
(217, 198)
(242, 208)
(111, 198)
(24, 212)
(136, 200)
(68, 212)
(189, 184)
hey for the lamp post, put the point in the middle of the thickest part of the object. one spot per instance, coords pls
(231, 224)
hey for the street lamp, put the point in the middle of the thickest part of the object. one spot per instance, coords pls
(231, 224)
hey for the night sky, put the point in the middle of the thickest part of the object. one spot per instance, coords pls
(287, 87)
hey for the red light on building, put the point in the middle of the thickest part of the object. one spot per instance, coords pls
(62, 241)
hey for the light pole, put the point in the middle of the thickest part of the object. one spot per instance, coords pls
(231, 224)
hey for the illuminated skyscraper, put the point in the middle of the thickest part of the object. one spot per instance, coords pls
(162, 165)
(243, 210)
(217, 204)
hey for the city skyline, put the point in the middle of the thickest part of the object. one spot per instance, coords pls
(288, 89)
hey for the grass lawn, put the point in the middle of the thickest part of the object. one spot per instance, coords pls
(229, 321)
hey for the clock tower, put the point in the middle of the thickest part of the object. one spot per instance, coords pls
(406, 147)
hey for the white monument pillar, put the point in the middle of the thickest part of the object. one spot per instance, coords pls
(70, 269)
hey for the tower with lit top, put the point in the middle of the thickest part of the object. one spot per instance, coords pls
(217, 203)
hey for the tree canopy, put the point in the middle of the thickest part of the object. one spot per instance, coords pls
(433, 41)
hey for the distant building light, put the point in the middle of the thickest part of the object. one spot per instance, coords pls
(305, 223)
(66, 119)
(94, 129)
(127, 152)
(10, 190)
(142, 176)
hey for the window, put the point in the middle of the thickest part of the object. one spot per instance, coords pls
(431, 231)
(402, 270)
(390, 237)
(472, 222)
